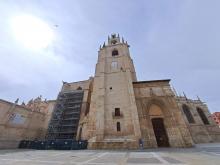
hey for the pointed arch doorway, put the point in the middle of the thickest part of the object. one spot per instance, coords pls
(157, 120)
(160, 132)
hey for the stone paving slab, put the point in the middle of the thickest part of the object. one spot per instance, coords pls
(109, 158)
(193, 156)
(171, 160)
(143, 161)
(140, 155)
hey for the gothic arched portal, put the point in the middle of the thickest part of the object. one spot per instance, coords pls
(157, 119)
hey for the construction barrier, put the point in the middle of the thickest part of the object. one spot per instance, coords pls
(59, 144)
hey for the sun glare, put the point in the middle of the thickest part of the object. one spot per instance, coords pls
(32, 32)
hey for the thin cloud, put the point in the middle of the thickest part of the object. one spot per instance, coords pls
(172, 39)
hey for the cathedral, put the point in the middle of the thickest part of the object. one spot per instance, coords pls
(113, 110)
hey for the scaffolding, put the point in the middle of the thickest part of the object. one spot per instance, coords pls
(66, 115)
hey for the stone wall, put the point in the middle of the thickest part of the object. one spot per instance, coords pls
(201, 133)
(113, 90)
(19, 122)
(153, 95)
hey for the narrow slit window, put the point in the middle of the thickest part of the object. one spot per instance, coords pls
(118, 127)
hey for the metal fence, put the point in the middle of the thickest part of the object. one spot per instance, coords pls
(58, 144)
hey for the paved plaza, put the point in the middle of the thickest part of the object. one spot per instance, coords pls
(202, 154)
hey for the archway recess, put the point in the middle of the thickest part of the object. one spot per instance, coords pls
(157, 119)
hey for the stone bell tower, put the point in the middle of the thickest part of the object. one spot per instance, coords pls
(113, 110)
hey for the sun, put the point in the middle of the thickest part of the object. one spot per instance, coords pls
(32, 32)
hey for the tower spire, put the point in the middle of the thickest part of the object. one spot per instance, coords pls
(113, 39)
(108, 39)
(123, 40)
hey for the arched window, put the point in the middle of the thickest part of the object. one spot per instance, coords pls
(202, 116)
(115, 52)
(118, 127)
(188, 114)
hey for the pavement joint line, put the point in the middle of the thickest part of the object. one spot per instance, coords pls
(61, 154)
(125, 158)
(211, 153)
(40, 157)
(156, 155)
(74, 161)
(101, 163)
(4, 155)
(47, 156)
(159, 158)
(29, 160)
(166, 162)
(96, 157)
(99, 156)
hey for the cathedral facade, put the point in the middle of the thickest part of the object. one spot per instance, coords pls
(113, 110)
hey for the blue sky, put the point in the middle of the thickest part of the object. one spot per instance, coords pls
(169, 39)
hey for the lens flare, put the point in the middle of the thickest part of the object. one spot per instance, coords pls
(32, 32)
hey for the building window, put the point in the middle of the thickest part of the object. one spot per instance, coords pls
(114, 65)
(188, 114)
(114, 42)
(202, 116)
(118, 127)
(117, 112)
(115, 52)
